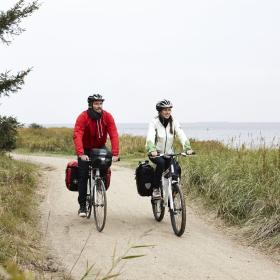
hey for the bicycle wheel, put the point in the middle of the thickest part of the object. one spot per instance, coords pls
(99, 204)
(89, 199)
(178, 215)
(158, 209)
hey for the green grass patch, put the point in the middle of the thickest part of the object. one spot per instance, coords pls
(18, 212)
(241, 185)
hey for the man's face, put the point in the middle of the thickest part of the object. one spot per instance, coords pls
(97, 106)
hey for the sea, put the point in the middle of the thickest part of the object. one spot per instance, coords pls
(230, 133)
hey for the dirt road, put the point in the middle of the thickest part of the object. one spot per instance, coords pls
(203, 252)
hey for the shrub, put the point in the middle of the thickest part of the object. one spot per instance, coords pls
(8, 133)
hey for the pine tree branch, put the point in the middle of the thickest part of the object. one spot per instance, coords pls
(11, 84)
(10, 20)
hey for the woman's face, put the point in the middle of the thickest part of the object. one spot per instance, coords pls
(165, 113)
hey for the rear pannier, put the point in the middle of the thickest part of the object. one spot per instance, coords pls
(144, 175)
(72, 176)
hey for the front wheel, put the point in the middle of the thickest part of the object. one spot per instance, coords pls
(158, 209)
(89, 199)
(99, 204)
(178, 214)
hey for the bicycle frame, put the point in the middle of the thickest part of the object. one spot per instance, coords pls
(93, 177)
(166, 180)
(171, 196)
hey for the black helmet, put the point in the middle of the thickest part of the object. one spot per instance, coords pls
(163, 104)
(95, 97)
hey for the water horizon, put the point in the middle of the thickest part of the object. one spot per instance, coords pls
(234, 133)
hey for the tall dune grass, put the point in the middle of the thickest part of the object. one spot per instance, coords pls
(242, 185)
(18, 215)
(60, 141)
(54, 140)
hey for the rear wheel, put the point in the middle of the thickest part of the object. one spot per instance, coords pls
(99, 204)
(178, 214)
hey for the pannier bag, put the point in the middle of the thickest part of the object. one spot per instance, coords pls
(144, 175)
(108, 178)
(72, 176)
(101, 158)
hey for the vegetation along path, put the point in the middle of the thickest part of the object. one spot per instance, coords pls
(203, 252)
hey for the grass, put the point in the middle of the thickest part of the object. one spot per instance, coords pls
(18, 215)
(52, 140)
(242, 185)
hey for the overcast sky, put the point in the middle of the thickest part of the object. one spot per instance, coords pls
(215, 60)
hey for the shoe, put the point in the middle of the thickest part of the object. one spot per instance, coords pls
(82, 211)
(156, 194)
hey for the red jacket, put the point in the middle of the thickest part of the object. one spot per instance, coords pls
(90, 133)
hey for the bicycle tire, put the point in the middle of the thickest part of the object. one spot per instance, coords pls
(179, 208)
(158, 215)
(99, 204)
(89, 200)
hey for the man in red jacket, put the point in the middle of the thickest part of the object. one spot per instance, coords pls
(90, 131)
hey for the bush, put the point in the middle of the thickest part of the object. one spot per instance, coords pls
(8, 133)
(35, 126)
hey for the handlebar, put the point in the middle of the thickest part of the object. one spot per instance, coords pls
(89, 160)
(174, 155)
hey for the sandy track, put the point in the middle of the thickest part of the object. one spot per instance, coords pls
(201, 253)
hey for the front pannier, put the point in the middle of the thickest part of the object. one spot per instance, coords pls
(144, 175)
(72, 176)
(101, 158)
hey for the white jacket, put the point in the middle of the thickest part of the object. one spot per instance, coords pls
(160, 139)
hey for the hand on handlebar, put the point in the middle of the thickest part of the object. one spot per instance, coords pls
(115, 158)
(154, 153)
(190, 152)
(84, 158)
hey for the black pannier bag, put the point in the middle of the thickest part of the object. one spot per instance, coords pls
(101, 158)
(144, 175)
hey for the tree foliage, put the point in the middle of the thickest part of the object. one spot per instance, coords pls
(8, 133)
(10, 20)
(9, 27)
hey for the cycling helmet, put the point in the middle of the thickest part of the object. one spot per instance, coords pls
(95, 97)
(163, 104)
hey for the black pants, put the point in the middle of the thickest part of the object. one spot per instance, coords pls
(83, 177)
(161, 165)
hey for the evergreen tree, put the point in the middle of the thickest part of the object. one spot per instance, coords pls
(9, 27)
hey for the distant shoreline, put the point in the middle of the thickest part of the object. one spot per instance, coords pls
(251, 134)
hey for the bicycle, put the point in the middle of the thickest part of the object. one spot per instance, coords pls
(171, 196)
(100, 159)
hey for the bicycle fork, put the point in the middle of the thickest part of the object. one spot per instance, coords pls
(167, 192)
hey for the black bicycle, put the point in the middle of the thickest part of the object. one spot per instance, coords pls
(171, 196)
(100, 160)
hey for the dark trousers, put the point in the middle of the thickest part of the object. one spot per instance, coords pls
(161, 165)
(83, 167)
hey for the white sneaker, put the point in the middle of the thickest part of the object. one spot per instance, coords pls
(82, 212)
(156, 194)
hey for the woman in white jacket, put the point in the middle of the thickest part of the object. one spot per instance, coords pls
(161, 133)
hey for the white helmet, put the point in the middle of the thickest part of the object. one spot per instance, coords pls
(163, 104)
